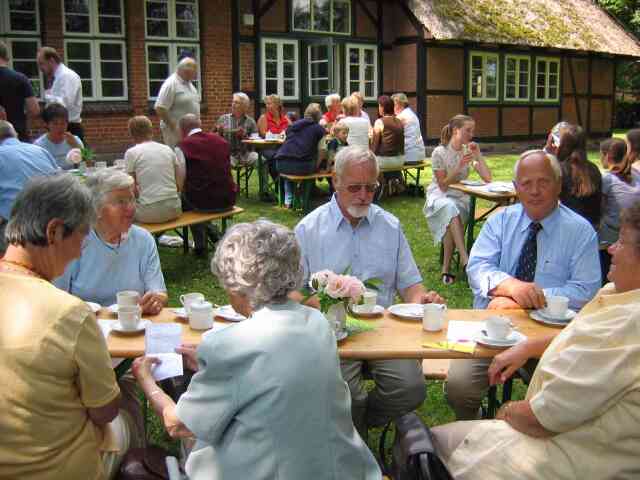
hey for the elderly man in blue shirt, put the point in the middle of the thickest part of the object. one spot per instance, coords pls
(19, 161)
(528, 251)
(350, 231)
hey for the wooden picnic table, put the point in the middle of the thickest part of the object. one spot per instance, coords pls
(265, 187)
(499, 199)
(392, 338)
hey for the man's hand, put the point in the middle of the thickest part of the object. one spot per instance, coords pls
(525, 294)
(153, 302)
(430, 297)
(502, 303)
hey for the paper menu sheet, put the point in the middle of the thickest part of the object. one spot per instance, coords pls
(161, 341)
(461, 331)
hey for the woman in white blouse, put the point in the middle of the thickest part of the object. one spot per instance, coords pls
(580, 416)
(358, 127)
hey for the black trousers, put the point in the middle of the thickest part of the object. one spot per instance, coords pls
(199, 232)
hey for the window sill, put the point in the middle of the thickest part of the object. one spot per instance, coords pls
(101, 107)
(204, 108)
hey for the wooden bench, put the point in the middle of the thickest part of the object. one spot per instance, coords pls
(308, 181)
(187, 219)
(435, 369)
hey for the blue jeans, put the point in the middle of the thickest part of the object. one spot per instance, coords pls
(293, 166)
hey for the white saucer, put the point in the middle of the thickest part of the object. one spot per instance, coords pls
(180, 311)
(499, 189)
(568, 316)
(359, 311)
(113, 308)
(512, 339)
(341, 335)
(94, 306)
(228, 313)
(409, 311)
(472, 183)
(535, 315)
(117, 327)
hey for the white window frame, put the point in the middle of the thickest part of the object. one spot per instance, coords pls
(9, 42)
(518, 59)
(484, 56)
(333, 71)
(280, 43)
(172, 20)
(548, 61)
(96, 77)
(330, 31)
(173, 61)
(94, 22)
(5, 20)
(361, 87)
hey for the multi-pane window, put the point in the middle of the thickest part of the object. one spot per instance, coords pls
(547, 79)
(172, 19)
(517, 78)
(162, 60)
(20, 30)
(325, 16)
(95, 48)
(101, 66)
(324, 71)
(483, 71)
(172, 31)
(362, 70)
(280, 68)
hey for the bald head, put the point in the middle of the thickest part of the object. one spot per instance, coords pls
(6, 131)
(538, 181)
(188, 122)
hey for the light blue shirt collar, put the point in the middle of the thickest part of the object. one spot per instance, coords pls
(547, 222)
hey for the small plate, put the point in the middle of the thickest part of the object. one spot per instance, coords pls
(358, 310)
(547, 321)
(94, 306)
(117, 327)
(512, 339)
(568, 316)
(499, 189)
(472, 183)
(180, 311)
(341, 335)
(228, 313)
(409, 311)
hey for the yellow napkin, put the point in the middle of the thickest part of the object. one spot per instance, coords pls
(466, 347)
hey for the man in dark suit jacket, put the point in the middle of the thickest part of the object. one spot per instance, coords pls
(209, 185)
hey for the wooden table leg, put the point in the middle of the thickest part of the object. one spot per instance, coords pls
(185, 240)
(307, 187)
(224, 225)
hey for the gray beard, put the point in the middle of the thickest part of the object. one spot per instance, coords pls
(358, 212)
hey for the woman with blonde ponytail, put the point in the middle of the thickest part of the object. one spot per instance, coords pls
(447, 210)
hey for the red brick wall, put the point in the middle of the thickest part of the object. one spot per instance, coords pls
(107, 132)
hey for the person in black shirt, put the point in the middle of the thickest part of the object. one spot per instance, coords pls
(16, 95)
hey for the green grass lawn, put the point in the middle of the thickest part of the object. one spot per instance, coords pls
(188, 274)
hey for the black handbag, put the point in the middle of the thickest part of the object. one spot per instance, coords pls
(144, 464)
(413, 454)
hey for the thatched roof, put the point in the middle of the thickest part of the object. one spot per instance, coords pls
(565, 24)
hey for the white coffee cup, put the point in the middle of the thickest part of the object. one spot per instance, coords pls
(201, 315)
(129, 316)
(128, 298)
(557, 306)
(101, 165)
(119, 163)
(188, 298)
(369, 300)
(498, 328)
(433, 317)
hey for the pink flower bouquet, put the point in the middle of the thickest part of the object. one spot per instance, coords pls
(332, 289)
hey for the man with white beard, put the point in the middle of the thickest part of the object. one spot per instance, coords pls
(351, 232)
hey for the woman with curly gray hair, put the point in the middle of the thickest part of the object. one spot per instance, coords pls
(268, 399)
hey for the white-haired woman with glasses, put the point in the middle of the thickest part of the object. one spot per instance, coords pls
(61, 405)
(116, 255)
(267, 400)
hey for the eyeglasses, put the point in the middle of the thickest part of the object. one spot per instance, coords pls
(369, 187)
(123, 202)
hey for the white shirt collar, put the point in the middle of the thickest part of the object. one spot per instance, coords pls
(193, 131)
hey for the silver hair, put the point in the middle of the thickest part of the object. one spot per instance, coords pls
(352, 155)
(43, 199)
(313, 112)
(400, 98)
(7, 130)
(244, 98)
(259, 260)
(187, 62)
(188, 122)
(329, 99)
(104, 181)
(553, 161)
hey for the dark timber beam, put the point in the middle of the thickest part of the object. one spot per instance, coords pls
(373, 19)
(265, 8)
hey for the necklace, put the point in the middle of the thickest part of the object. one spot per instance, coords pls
(26, 269)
